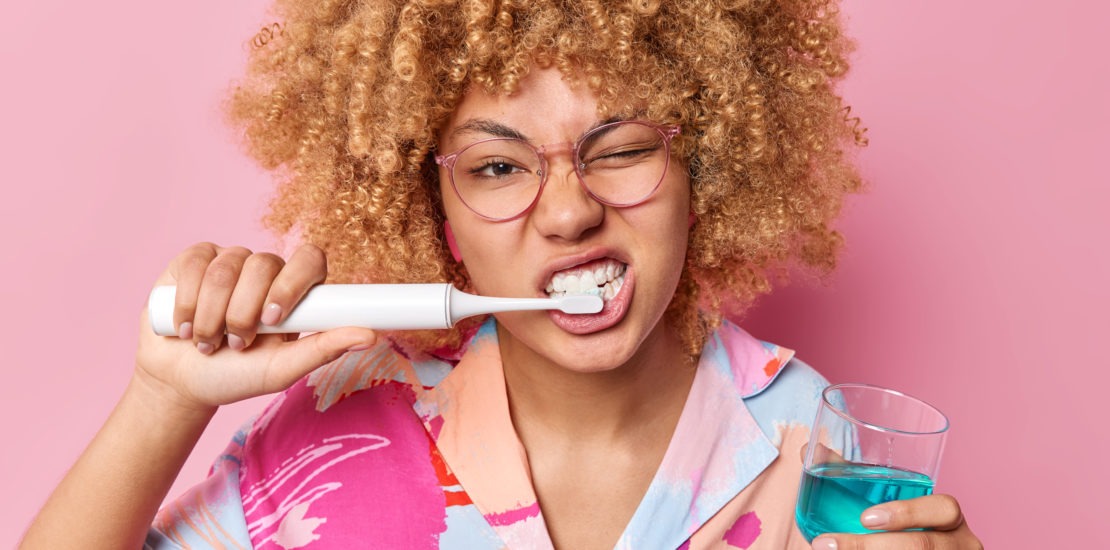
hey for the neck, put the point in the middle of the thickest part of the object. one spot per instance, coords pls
(642, 396)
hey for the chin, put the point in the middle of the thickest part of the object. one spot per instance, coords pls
(591, 365)
(598, 352)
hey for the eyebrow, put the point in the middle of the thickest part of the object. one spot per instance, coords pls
(496, 129)
(486, 126)
(610, 120)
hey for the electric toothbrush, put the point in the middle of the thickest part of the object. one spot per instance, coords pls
(384, 307)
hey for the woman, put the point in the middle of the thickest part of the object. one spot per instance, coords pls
(667, 157)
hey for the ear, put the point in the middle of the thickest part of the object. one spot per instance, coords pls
(692, 220)
(451, 244)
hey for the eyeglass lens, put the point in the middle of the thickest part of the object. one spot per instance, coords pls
(620, 164)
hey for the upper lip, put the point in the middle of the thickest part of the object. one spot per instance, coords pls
(572, 260)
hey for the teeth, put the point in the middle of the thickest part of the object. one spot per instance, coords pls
(571, 284)
(604, 280)
(587, 281)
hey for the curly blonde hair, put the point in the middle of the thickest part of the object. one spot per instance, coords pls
(344, 100)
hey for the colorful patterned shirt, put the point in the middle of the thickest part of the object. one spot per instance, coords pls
(380, 450)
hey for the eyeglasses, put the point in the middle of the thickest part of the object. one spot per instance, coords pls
(618, 164)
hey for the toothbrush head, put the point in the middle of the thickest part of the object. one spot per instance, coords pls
(580, 304)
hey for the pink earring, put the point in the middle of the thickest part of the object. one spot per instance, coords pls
(451, 244)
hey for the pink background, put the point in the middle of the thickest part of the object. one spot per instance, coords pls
(974, 277)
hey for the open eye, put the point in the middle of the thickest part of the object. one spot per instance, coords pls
(496, 163)
(495, 168)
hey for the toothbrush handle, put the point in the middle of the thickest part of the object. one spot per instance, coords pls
(324, 307)
(463, 305)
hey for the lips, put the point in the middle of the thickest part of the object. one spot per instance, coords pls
(613, 310)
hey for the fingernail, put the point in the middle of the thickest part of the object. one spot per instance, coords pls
(236, 343)
(876, 518)
(824, 543)
(205, 348)
(271, 315)
(360, 347)
(185, 331)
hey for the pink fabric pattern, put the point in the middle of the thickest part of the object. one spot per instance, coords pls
(744, 532)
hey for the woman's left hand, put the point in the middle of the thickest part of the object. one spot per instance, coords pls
(939, 513)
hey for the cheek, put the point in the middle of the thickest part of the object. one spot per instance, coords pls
(485, 248)
(449, 201)
(457, 227)
(677, 221)
(674, 230)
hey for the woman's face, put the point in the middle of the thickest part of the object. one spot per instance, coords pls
(567, 233)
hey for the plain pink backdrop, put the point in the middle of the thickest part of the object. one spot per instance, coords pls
(974, 276)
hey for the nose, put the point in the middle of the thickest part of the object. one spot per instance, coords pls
(564, 209)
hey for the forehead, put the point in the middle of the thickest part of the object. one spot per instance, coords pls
(544, 108)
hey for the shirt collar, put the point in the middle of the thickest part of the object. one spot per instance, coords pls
(716, 451)
(717, 448)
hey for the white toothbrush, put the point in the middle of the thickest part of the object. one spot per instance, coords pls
(385, 307)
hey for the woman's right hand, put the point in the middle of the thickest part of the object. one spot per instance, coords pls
(231, 290)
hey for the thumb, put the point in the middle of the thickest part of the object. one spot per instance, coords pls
(302, 356)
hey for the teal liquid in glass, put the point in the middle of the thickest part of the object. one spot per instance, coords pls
(833, 496)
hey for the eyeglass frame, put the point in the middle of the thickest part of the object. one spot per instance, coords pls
(667, 131)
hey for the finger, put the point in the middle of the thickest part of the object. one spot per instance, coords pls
(302, 356)
(245, 307)
(917, 540)
(215, 293)
(939, 512)
(188, 270)
(822, 454)
(308, 266)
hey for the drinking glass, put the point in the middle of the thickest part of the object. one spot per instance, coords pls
(868, 445)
